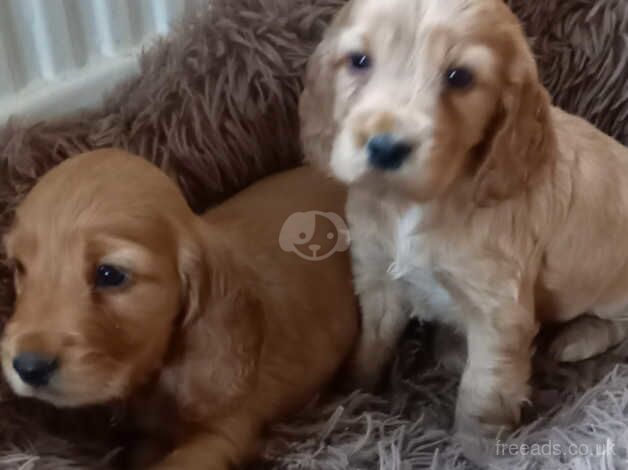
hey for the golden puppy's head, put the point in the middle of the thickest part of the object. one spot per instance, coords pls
(423, 96)
(100, 253)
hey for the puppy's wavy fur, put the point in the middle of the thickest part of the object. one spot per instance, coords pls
(216, 332)
(507, 212)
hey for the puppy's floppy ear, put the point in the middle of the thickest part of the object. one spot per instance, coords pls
(208, 271)
(194, 275)
(316, 105)
(520, 137)
(222, 326)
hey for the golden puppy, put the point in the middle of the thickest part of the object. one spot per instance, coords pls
(124, 293)
(473, 201)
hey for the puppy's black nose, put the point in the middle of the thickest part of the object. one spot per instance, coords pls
(387, 152)
(34, 369)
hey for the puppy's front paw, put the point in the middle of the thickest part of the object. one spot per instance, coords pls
(486, 413)
(478, 448)
(584, 338)
(568, 347)
(470, 428)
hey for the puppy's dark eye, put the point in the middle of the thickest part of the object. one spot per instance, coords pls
(359, 61)
(459, 78)
(108, 276)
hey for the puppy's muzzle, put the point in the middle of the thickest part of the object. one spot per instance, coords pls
(387, 151)
(35, 369)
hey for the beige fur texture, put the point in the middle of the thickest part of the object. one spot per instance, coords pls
(165, 114)
(484, 222)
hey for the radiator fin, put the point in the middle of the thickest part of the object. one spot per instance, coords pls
(47, 45)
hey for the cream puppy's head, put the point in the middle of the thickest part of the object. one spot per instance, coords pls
(422, 96)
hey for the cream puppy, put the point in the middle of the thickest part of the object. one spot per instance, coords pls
(472, 200)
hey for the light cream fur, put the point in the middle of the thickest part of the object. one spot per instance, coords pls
(508, 213)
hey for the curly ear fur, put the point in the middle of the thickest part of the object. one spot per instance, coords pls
(316, 105)
(520, 139)
(221, 328)
(194, 278)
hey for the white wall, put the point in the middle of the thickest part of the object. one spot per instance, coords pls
(60, 55)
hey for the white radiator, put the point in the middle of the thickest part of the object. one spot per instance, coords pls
(60, 55)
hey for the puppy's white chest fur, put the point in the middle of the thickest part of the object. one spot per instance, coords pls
(390, 245)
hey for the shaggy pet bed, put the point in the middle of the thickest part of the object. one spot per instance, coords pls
(215, 106)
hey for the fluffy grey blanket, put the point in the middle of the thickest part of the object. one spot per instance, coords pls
(215, 107)
(578, 420)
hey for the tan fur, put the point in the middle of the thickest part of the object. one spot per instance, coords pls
(508, 213)
(219, 332)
